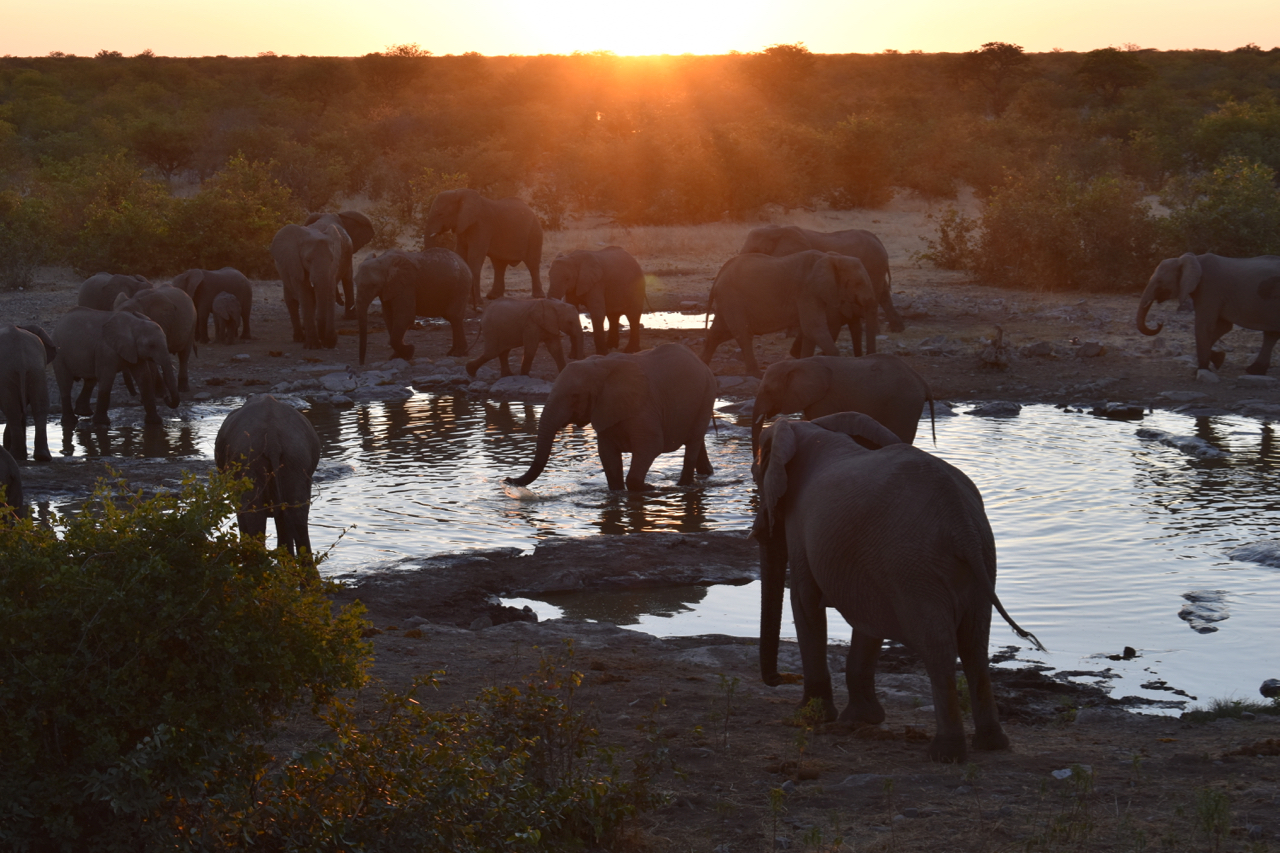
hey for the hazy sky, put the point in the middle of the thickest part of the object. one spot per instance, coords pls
(331, 28)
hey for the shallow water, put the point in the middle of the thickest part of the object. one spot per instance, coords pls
(1103, 536)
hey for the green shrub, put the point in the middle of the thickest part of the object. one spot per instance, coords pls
(144, 649)
(26, 234)
(1233, 210)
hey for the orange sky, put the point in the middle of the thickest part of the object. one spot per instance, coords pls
(325, 27)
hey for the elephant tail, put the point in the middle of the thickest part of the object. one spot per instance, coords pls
(933, 421)
(479, 334)
(1017, 629)
(983, 575)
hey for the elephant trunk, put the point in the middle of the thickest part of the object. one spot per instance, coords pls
(761, 411)
(575, 337)
(873, 328)
(170, 382)
(773, 572)
(362, 318)
(1148, 296)
(547, 429)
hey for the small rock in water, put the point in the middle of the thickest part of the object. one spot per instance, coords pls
(1188, 444)
(1203, 608)
(1182, 396)
(1119, 411)
(1270, 688)
(998, 409)
(1266, 552)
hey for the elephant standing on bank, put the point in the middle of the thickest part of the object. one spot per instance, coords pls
(780, 240)
(205, 286)
(226, 313)
(505, 230)
(278, 449)
(510, 323)
(644, 404)
(101, 289)
(1225, 292)
(434, 283)
(879, 385)
(95, 345)
(24, 353)
(898, 542)
(609, 284)
(310, 261)
(756, 294)
(175, 313)
(359, 230)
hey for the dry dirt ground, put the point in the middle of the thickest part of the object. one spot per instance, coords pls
(1139, 783)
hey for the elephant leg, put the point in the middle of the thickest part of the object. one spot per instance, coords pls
(855, 335)
(1207, 334)
(202, 323)
(295, 319)
(860, 680)
(695, 453)
(478, 362)
(182, 369)
(703, 464)
(599, 337)
(614, 332)
(948, 741)
(633, 339)
(253, 522)
(147, 380)
(457, 326)
(797, 347)
(504, 360)
(530, 352)
(499, 288)
(348, 298)
(611, 461)
(973, 638)
(535, 276)
(816, 327)
(810, 615)
(1263, 361)
(100, 417)
(15, 433)
(244, 321)
(746, 342)
(82, 402)
(716, 335)
(557, 352)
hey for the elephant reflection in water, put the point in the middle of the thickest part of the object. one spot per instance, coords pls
(152, 441)
(403, 427)
(684, 511)
(628, 606)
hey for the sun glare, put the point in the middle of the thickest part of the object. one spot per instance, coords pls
(654, 27)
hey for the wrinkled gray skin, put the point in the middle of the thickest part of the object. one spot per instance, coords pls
(278, 450)
(898, 542)
(309, 260)
(510, 323)
(814, 291)
(101, 289)
(505, 230)
(96, 345)
(205, 286)
(359, 230)
(226, 317)
(24, 352)
(175, 313)
(645, 403)
(779, 240)
(1225, 292)
(11, 482)
(434, 283)
(880, 385)
(609, 284)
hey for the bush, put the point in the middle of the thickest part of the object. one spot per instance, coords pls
(144, 649)
(1233, 210)
(26, 232)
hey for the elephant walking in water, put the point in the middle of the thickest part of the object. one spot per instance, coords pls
(24, 352)
(504, 230)
(278, 450)
(898, 542)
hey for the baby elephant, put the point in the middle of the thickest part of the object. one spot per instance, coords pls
(278, 450)
(510, 323)
(226, 318)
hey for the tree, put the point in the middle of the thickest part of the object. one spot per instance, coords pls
(999, 68)
(780, 68)
(164, 146)
(390, 72)
(1109, 72)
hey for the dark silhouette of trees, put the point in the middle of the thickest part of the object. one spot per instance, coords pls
(1110, 71)
(999, 68)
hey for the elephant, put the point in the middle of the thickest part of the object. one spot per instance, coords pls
(101, 289)
(95, 345)
(880, 385)
(755, 294)
(24, 353)
(11, 483)
(226, 316)
(278, 450)
(310, 262)
(898, 542)
(1225, 291)
(505, 230)
(434, 283)
(359, 229)
(780, 240)
(608, 283)
(205, 286)
(174, 311)
(644, 403)
(510, 323)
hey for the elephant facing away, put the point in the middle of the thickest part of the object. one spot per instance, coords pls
(645, 404)
(175, 313)
(205, 286)
(310, 260)
(101, 289)
(505, 230)
(434, 283)
(879, 385)
(24, 352)
(609, 284)
(780, 240)
(510, 323)
(226, 316)
(757, 294)
(278, 449)
(96, 345)
(1225, 292)
(898, 542)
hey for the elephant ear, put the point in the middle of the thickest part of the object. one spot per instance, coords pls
(590, 275)
(1190, 278)
(50, 351)
(777, 447)
(121, 299)
(805, 383)
(118, 333)
(864, 429)
(623, 392)
(358, 226)
(790, 240)
(400, 265)
(189, 282)
(470, 211)
(543, 315)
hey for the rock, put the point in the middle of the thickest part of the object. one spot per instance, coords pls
(441, 382)
(416, 621)
(202, 396)
(742, 385)
(1119, 411)
(341, 401)
(478, 388)
(858, 780)
(1270, 688)
(690, 306)
(375, 377)
(743, 408)
(481, 622)
(369, 393)
(241, 356)
(1266, 552)
(998, 409)
(1100, 716)
(1248, 380)
(1068, 772)
(1207, 376)
(394, 365)
(1182, 396)
(1203, 608)
(1041, 349)
(1188, 444)
(1090, 349)
(789, 786)
(297, 402)
(940, 410)
(338, 383)
(520, 388)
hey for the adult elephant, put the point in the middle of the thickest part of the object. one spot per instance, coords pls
(505, 230)
(101, 289)
(310, 262)
(510, 323)
(756, 294)
(780, 240)
(609, 284)
(11, 483)
(359, 230)
(1225, 292)
(643, 403)
(24, 352)
(434, 283)
(95, 345)
(881, 386)
(277, 449)
(175, 313)
(897, 541)
(205, 286)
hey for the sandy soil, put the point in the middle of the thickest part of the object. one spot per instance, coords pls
(1154, 780)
